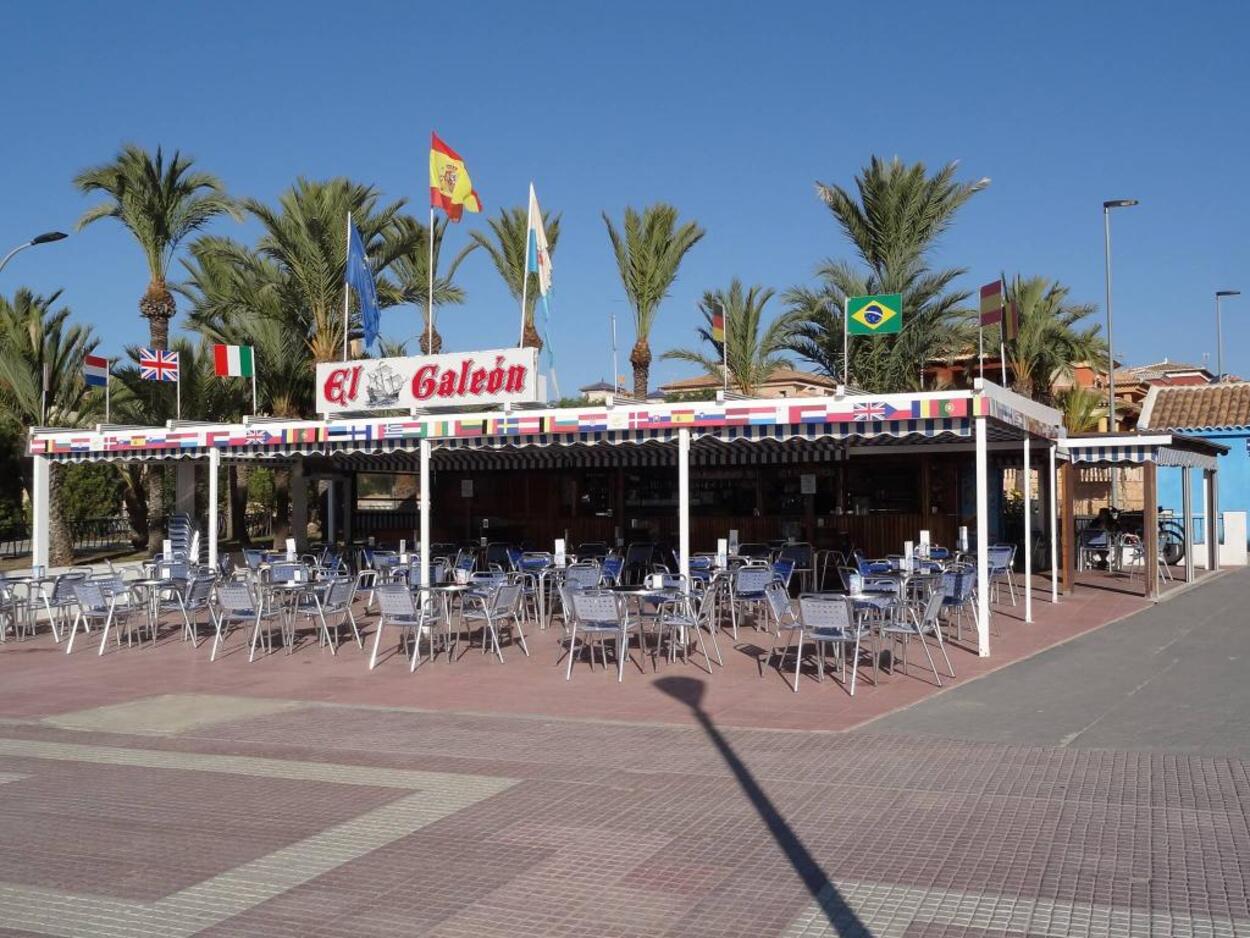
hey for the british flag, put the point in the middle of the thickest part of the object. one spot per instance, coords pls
(158, 365)
(872, 410)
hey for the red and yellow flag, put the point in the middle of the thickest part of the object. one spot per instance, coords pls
(992, 303)
(718, 327)
(450, 187)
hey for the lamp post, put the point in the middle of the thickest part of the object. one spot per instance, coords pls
(1106, 227)
(46, 238)
(1219, 332)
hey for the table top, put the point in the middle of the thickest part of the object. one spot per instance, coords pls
(153, 581)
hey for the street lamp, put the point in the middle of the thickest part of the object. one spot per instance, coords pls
(1219, 333)
(45, 238)
(1106, 226)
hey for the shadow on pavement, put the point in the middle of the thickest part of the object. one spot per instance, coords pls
(842, 918)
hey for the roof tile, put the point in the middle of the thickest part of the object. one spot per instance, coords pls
(1201, 407)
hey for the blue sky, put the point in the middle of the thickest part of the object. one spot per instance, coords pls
(729, 110)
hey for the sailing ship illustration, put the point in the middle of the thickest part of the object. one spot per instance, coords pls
(382, 386)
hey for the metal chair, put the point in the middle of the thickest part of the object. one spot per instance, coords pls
(1001, 563)
(335, 599)
(599, 617)
(58, 601)
(959, 583)
(397, 608)
(236, 604)
(825, 621)
(197, 598)
(678, 621)
(802, 561)
(901, 629)
(747, 589)
(497, 611)
(104, 606)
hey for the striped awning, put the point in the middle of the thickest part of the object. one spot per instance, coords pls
(1136, 454)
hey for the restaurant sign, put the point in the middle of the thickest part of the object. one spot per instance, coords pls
(429, 381)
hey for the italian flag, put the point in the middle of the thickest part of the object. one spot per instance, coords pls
(233, 361)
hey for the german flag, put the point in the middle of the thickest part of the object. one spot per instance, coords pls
(718, 327)
(450, 186)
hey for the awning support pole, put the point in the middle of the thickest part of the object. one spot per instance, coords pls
(1187, 519)
(214, 469)
(1028, 532)
(983, 537)
(1054, 525)
(683, 504)
(425, 512)
(40, 512)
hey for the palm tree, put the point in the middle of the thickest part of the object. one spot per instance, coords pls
(34, 340)
(649, 247)
(1051, 338)
(1083, 410)
(305, 241)
(751, 358)
(160, 204)
(893, 220)
(412, 277)
(507, 246)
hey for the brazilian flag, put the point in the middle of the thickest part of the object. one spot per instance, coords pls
(881, 314)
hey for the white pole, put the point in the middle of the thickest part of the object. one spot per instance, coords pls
(615, 385)
(429, 294)
(980, 347)
(1187, 517)
(983, 537)
(1002, 359)
(724, 343)
(254, 407)
(1028, 532)
(1054, 525)
(846, 343)
(214, 468)
(178, 393)
(525, 264)
(425, 512)
(683, 504)
(40, 511)
(108, 387)
(347, 295)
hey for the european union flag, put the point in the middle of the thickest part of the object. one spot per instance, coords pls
(360, 279)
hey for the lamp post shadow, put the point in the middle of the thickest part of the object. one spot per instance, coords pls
(842, 918)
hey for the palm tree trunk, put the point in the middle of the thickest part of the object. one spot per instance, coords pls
(425, 341)
(157, 307)
(60, 538)
(154, 479)
(281, 519)
(238, 504)
(640, 358)
(135, 499)
(530, 337)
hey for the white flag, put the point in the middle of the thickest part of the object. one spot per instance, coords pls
(538, 253)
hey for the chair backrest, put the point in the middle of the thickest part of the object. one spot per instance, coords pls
(288, 573)
(395, 600)
(1000, 555)
(63, 587)
(235, 596)
(535, 560)
(597, 606)
(957, 583)
(466, 560)
(514, 558)
(639, 554)
(612, 566)
(933, 607)
(778, 602)
(800, 554)
(339, 595)
(438, 570)
(583, 576)
(783, 568)
(507, 599)
(198, 591)
(172, 570)
(753, 579)
(592, 550)
(89, 595)
(754, 550)
(826, 612)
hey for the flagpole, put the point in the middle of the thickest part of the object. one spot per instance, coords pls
(724, 343)
(347, 296)
(525, 265)
(254, 381)
(981, 343)
(178, 394)
(615, 385)
(429, 296)
(846, 342)
(108, 386)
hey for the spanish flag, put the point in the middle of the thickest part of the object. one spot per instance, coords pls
(450, 188)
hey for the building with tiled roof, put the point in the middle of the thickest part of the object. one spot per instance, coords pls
(1217, 412)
